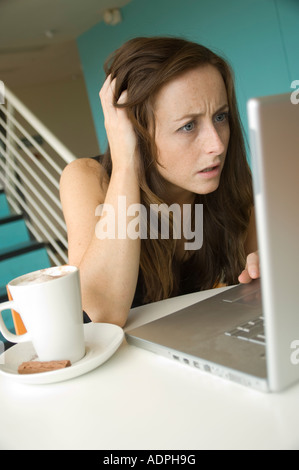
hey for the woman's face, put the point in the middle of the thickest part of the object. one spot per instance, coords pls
(192, 132)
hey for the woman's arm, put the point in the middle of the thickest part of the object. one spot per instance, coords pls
(108, 267)
(252, 268)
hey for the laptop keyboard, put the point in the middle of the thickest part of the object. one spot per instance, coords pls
(252, 331)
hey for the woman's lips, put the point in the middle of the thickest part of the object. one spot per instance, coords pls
(210, 172)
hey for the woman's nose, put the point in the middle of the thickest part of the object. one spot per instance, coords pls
(212, 141)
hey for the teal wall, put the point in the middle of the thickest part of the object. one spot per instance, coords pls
(260, 39)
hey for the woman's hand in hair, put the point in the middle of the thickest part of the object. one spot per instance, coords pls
(120, 132)
(252, 268)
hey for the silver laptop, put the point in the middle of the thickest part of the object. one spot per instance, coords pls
(250, 333)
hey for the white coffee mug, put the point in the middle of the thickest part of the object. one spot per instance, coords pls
(49, 303)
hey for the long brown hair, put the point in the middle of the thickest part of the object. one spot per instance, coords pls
(142, 66)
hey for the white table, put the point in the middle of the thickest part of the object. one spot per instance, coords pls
(138, 400)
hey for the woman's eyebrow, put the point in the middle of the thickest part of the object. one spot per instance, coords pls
(224, 107)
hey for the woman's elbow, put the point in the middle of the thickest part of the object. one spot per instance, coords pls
(114, 314)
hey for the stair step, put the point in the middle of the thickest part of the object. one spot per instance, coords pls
(4, 207)
(19, 249)
(21, 259)
(3, 294)
(13, 230)
(10, 218)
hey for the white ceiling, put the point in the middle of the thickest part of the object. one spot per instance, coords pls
(38, 37)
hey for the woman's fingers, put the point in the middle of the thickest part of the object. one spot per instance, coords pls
(252, 269)
(123, 97)
(107, 96)
(120, 132)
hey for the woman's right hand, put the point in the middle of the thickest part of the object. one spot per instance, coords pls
(120, 132)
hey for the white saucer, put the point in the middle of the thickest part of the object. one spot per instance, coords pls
(101, 341)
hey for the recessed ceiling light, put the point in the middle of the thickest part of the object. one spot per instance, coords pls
(112, 16)
(49, 33)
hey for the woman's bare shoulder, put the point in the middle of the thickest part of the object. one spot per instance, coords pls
(84, 172)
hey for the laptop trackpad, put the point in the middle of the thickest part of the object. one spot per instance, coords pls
(248, 294)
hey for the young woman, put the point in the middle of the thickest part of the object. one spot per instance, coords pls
(174, 138)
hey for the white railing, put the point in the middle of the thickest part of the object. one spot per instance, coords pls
(31, 162)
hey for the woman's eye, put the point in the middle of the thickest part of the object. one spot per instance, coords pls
(221, 117)
(188, 127)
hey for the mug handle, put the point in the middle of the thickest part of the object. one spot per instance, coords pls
(10, 305)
